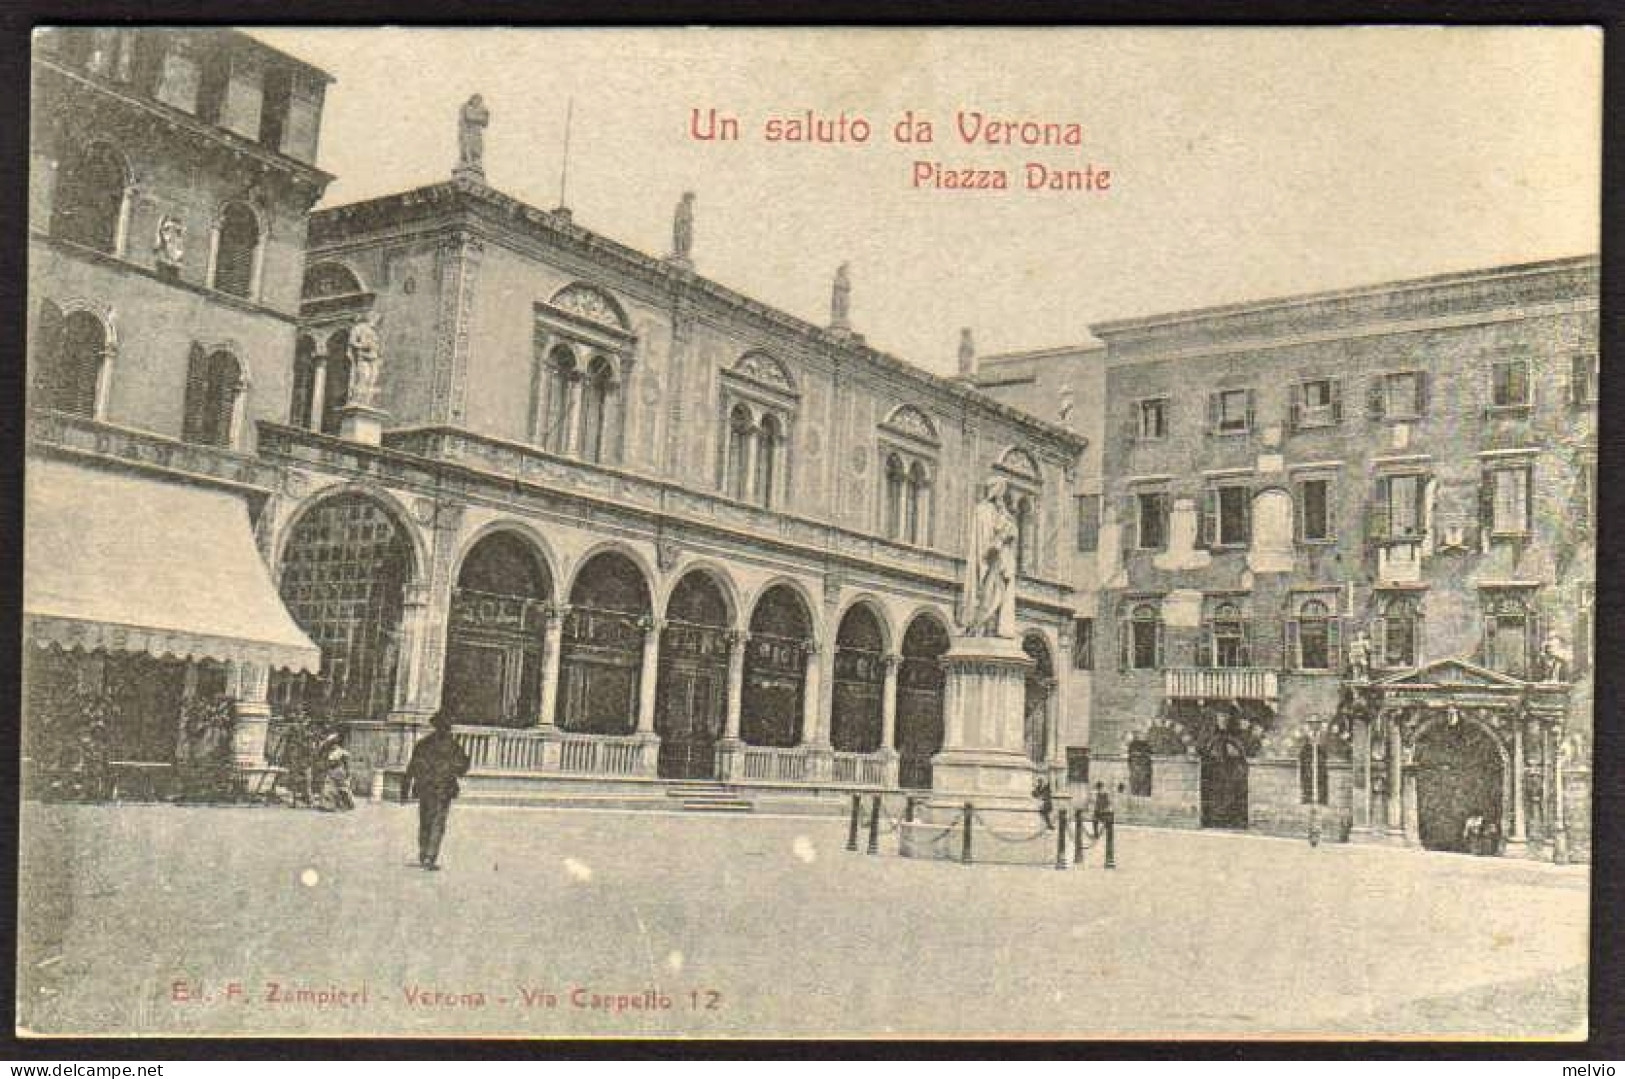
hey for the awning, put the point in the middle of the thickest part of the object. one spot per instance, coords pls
(125, 563)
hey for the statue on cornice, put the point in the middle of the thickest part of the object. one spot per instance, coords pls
(840, 298)
(471, 138)
(682, 228)
(366, 355)
(988, 601)
(967, 354)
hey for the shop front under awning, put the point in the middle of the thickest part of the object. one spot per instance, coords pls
(122, 563)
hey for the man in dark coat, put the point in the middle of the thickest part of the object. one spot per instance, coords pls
(437, 763)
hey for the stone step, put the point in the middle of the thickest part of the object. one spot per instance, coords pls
(718, 805)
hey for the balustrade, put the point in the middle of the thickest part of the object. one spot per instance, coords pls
(1221, 683)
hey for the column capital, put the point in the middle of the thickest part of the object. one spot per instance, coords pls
(736, 640)
(891, 661)
(651, 626)
(553, 612)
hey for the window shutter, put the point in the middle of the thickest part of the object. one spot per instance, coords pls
(1379, 641)
(1334, 643)
(1486, 508)
(1579, 375)
(1246, 642)
(1298, 504)
(1337, 400)
(1124, 630)
(1528, 499)
(1422, 394)
(197, 394)
(1131, 426)
(1520, 383)
(1213, 412)
(1247, 518)
(1206, 652)
(1252, 411)
(1128, 516)
(1424, 505)
(1294, 408)
(1291, 656)
(1209, 536)
(1373, 397)
(1329, 506)
(1159, 643)
(1486, 647)
(1580, 498)
(1377, 513)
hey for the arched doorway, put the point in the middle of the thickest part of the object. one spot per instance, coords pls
(691, 705)
(1224, 783)
(1038, 688)
(494, 640)
(344, 575)
(860, 683)
(775, 669)
(602, 658)
(919, 701)
(1459, 774)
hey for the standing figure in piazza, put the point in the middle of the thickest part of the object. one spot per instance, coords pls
(988, 604)
(365, 354)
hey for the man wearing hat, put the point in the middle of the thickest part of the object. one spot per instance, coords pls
(437, 763)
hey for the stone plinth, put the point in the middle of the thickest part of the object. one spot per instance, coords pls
(983, 762)
(362, 423)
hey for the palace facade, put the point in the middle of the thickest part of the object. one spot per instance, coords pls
(1344, 546)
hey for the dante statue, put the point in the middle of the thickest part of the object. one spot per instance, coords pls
(682, 227)
(365, 355)
(471, 136)
(840, 297)
(988, 604)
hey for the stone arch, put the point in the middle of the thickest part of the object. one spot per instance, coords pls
(91, 197)
(569, 575)
(800, 588)
(492, 669)
(718, 575)
(877, 607)
(328, 278)
(75, 343)
(920, 681)
(391, 504)
(1446, 796)
(527, 534)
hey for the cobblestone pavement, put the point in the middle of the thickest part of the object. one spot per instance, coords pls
(140, 919)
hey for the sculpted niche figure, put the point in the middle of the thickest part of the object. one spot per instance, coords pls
(365, 354)
(170, 249)
(471, 137)
(988, 603)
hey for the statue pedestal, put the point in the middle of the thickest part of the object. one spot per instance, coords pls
(983, 762)
(362, 423)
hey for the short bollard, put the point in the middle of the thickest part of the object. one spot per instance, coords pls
(874, 826)
(852, 826)
(1060, 843)
(1077, 838)
(964, 853)
(1111, 845)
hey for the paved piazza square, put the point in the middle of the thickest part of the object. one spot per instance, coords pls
(172, 920)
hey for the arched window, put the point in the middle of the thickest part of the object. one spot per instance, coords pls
(775, 669)
(769, 438)
(494, 637)
(1226, 637)
(896, 482)
(919, 701)
(71, 355)
(336, 391)
(602, 656)
(1399, 633)
(561, 376)
(236, 250)
(344, 574)
(89, 204)
(1314, 636)
(303, 398)
(917, 527)
(691, 701)
(1139, 637)
(860, 677)
(213, 381)
(1021, 507)
(739, 448)
(595, 403)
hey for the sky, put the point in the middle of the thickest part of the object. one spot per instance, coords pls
(1244, 163)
